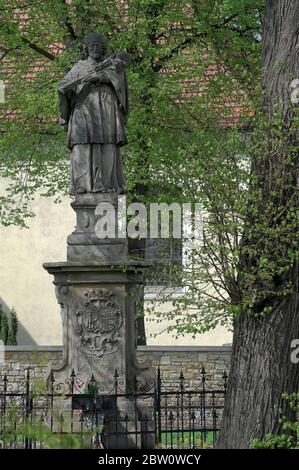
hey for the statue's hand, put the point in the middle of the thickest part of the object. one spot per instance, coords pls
(93, 77)
(103, 77)
(97, 77)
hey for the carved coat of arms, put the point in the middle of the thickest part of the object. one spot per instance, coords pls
(97, 322)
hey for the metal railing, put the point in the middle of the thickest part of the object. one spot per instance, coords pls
(170, 414)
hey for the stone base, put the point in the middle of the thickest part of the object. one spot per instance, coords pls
(136, 431)
(99, 307)
(95, 252)
(85, 244)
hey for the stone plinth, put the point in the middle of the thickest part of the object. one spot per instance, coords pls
(99, 306)
(84, 244)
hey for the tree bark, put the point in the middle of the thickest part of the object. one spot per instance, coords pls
(261, 369)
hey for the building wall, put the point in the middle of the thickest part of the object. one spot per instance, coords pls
(172, 360)
(27, 287)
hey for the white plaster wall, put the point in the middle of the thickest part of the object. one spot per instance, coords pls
(24, 284)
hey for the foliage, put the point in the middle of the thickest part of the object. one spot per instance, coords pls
(289, 438)
(8, 326)
(174, 45)
(40, 433)
(223, 275)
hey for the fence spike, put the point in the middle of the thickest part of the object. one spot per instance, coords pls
(181, 378)
(92, 379)
(203, 377)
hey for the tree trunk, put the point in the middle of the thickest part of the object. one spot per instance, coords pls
(261, 369)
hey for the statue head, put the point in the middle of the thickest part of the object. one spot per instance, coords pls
(95, 45)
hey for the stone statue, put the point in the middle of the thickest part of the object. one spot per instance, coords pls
(93, 104)
(99, 289)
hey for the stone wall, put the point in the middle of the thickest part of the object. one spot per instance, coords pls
(189, 360)
(171, 359)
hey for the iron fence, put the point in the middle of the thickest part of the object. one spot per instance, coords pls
(170, 414)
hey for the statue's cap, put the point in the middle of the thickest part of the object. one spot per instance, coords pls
(94, 37)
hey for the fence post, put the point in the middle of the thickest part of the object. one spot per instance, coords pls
(182, 396)
(203, 404)
(158, 404)
(52, 382)
(28, 409)
(3, 416)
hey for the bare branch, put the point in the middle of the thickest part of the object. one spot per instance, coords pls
(38, 49)
(68, 24)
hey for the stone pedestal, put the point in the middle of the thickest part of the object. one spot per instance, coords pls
(100, 293)
(84, 244)
(99, 305)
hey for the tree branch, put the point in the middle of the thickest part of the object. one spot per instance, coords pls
(68, 24)
(188, 41)
(159, 65)
(6, 51)
(38, 49)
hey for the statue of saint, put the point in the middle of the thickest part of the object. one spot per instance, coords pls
(93, 104)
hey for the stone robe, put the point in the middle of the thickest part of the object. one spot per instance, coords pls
(95, 115)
